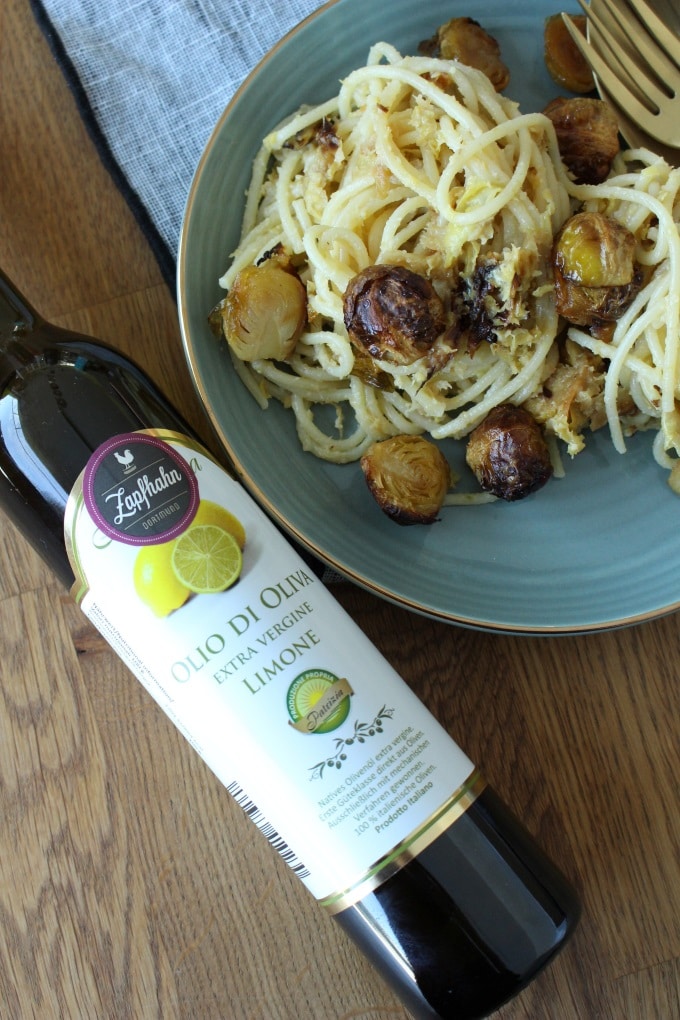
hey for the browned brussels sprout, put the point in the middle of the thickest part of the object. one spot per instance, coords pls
(465, 40)
(408, 477)
(587, 136)
(508, 453)
(392, 313)
(565, 63)
(596, 275)
(265, 310)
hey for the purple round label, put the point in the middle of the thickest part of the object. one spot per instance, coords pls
(139, 490)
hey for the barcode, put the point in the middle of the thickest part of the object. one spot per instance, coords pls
(279, 844)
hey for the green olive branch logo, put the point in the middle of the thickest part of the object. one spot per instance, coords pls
(362, 731)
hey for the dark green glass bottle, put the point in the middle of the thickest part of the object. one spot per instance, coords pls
(460, 927)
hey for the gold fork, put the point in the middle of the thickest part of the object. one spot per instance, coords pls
(636, 58)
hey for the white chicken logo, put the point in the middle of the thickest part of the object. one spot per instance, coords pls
(126, 459)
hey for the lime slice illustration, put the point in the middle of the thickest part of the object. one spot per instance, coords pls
(306, 692)
(206, 559)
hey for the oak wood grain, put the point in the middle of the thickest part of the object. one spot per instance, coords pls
(130, 883)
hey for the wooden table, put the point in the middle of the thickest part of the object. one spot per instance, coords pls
(130, 884)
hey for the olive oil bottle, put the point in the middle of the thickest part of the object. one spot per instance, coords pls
(384, 819)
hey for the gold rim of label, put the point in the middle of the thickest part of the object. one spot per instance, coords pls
(409, 847)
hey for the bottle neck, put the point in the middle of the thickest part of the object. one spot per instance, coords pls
(17, 318)
(20, 331)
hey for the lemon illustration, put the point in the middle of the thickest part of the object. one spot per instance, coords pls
(156, 583)
(212, 513)
(206, 558)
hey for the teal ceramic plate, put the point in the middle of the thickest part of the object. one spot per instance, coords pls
(597, 549)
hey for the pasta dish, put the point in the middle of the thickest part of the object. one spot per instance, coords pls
(419, 164)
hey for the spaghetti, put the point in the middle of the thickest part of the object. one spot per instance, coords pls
(643, 194)
(429, 169)
(417, 162)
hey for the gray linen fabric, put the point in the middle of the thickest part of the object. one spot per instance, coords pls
(152, 78)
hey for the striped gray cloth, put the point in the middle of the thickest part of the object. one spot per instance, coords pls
(151, 78)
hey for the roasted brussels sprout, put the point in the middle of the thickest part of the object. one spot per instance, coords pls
(587, 135)
(408, 477)
(393, 314)
(265, 310)
(465, 40)
(596, 275)
(565, 63)
(508, 453)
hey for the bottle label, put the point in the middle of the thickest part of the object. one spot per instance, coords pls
(287, 701)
